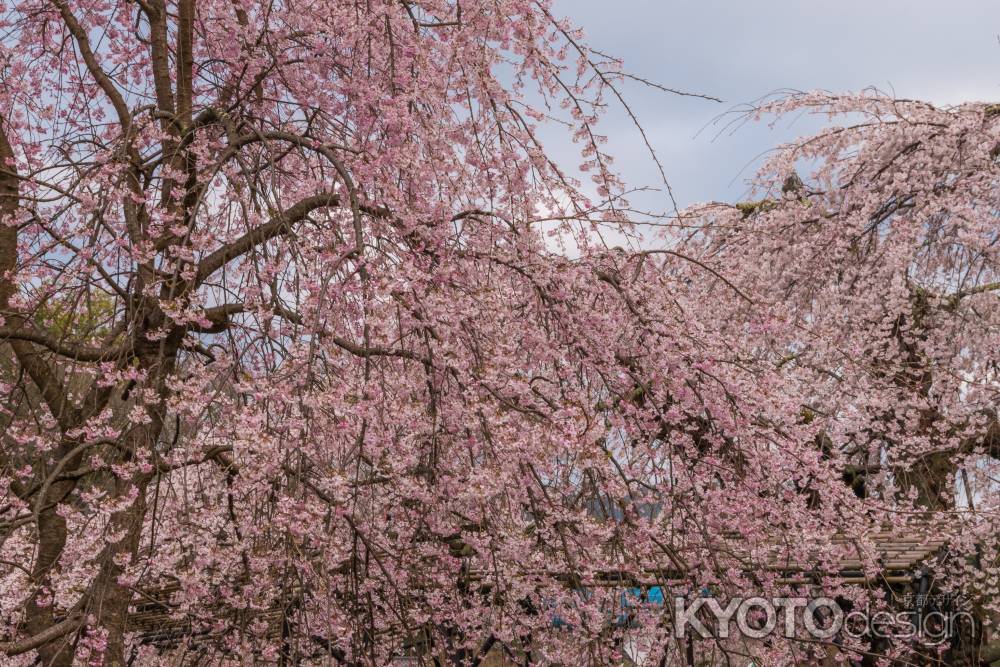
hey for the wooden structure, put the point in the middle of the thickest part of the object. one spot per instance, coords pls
(898, 562)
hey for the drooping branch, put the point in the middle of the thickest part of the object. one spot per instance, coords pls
(274, 228)
(94, 67)
(219, 316)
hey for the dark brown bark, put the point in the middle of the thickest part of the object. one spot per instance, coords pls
(40, 618)
(185, 60)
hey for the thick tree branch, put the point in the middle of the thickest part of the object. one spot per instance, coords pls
(263, 233)
(71, 351)
(51, 633)
(185, 59)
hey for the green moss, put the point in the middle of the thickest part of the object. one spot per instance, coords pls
(749, 208)
(88, 318)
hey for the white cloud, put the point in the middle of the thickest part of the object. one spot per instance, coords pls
(740, 50)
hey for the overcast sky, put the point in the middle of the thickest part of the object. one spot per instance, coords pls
(739, 50)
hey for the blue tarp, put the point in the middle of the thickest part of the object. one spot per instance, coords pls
(629, 598)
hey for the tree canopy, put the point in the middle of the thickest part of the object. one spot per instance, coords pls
(300, 318)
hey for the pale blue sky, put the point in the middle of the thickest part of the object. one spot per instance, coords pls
(942, 51)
